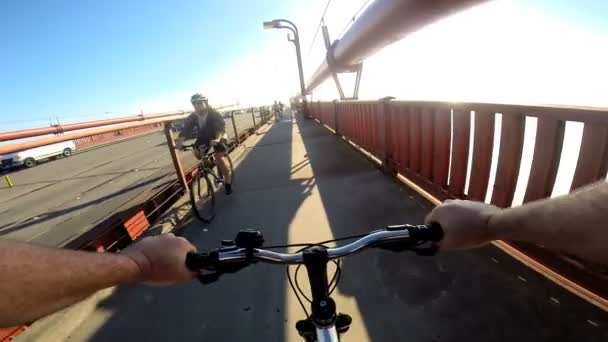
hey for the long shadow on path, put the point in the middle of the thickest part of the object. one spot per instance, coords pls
(247, 306)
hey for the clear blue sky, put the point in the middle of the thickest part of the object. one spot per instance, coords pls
(69, 57)
(591, 14)
(78, 58)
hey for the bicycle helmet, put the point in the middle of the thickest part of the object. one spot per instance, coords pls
(198, 97)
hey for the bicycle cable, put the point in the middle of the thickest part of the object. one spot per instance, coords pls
(294, 284)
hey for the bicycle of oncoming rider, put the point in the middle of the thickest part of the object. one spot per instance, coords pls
(206, 180)
(323, 323)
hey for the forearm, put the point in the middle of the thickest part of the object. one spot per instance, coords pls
(576, 224)
(36, 281)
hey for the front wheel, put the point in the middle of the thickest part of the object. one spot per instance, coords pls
(67, 152)
(202, 197)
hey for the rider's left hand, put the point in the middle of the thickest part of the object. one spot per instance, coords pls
(161, 259)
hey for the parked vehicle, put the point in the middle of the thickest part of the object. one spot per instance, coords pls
(31, 157)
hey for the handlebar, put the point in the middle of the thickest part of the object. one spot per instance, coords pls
(246, 248)
(187, 146)
(208, 152)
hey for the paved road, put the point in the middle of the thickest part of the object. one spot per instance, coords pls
(299, 183)
(57, 200)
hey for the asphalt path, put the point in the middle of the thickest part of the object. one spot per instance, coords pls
(299, 183)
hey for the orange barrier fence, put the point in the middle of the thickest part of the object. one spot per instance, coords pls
(104, 138)
(430, 144)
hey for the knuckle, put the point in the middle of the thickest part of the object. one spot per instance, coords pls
(183, 241)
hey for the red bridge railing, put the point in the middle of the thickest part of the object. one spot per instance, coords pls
(429, 143)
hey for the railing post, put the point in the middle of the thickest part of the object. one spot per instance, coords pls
(176, 162)
(253, 116)
(319, 114)
(306, 110)
(384, 135)
(236, 133)
(336, 126)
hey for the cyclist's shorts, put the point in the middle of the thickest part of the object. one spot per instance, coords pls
(200, 151)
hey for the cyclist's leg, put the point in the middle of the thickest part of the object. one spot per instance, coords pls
(220, 151)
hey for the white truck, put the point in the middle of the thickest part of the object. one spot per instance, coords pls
(31, 157)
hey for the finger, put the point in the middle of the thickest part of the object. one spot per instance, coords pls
(188, 244)
(430, 218)
(438, 246)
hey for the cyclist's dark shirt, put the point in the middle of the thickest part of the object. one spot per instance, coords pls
(204, 130)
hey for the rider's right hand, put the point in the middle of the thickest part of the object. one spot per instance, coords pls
(161, 259)
(465, 223)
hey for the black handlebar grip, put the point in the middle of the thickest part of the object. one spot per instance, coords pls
(427, 232)
(192, 261)
(197, 261)
(435, 231)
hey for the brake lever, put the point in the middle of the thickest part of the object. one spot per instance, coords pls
(426, 249)
(210, 260)
(396, 247)
(219, 270)
(208, 278)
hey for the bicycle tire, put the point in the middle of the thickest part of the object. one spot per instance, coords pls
(202, 197)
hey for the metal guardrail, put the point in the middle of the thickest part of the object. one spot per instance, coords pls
(94, 130)
(429, 144)
(60, 129)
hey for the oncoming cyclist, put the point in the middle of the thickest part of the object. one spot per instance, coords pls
(209, 128)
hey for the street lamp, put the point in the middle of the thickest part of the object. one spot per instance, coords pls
(284, 23)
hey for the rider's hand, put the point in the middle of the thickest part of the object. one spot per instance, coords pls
(161, 259)
(465, 223)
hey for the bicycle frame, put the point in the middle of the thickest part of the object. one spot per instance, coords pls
(323, 307)
(202, 166)
(327, 334)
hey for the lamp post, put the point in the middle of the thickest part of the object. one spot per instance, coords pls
(284, 23)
